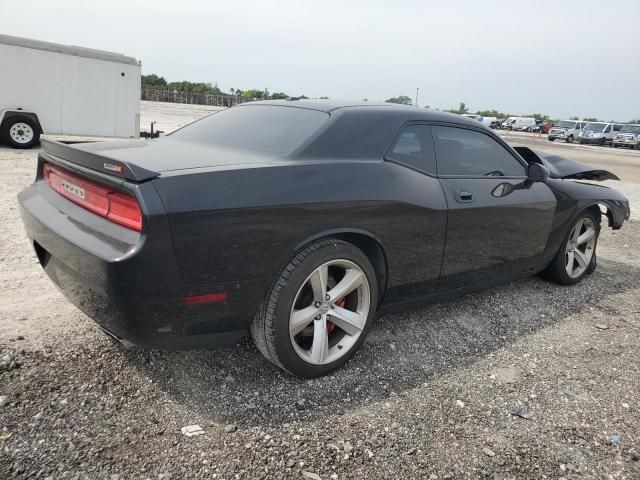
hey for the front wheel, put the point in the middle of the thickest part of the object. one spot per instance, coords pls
(319, 311)
(20, 132)
(570, 139)
(577, 254)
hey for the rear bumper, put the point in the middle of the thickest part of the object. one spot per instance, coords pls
(128, 282)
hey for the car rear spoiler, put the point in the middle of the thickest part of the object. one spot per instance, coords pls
(98, 162)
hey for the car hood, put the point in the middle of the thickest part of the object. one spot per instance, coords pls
(564, 168)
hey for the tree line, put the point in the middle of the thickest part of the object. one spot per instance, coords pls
(154, 81)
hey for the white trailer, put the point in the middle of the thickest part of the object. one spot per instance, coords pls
(65, 90)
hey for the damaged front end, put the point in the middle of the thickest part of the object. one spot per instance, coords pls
(612, 203)
(564, 168)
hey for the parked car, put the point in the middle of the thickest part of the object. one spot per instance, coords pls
(599, 133)
(628, 136)
(566, 130)
(487, 121)
(524, 124)
(300, 220)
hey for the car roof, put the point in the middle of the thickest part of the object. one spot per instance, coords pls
(409, 112)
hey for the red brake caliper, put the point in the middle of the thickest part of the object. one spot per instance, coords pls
(330, 325)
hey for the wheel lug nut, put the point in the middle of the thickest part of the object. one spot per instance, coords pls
(317, 317)
(327, 297)
(317, 304)
(333, 306)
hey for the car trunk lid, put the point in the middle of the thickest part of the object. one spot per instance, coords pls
(142, 160)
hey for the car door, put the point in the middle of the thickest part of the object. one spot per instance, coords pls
(498, 221)
(416, 272)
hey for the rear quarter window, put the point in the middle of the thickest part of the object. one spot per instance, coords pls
(413, 146)
(277, 130)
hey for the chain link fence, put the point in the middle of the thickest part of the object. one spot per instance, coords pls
(174, 96)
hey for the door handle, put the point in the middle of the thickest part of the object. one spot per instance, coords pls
(464, 197)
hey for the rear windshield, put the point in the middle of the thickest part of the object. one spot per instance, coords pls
(263, 128)
(594, 127)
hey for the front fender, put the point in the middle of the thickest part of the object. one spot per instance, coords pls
(582, 195)
(574, 197)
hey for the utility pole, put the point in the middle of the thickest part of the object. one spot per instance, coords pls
(417, 92)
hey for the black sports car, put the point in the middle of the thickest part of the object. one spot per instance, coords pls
(299, 220)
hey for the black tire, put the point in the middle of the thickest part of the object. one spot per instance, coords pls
(570, 139)
(614, 145)
(6, 136)
(551, 139)
(581, 142)
(556, 271)
(270, 327)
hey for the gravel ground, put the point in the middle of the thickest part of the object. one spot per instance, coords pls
(527, 380)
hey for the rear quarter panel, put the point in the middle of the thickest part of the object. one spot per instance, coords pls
(244, 224)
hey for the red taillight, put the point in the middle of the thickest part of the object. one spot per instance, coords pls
(125, 210)
(117, 207)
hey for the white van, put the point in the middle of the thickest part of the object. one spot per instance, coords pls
(508, 123)
(599, 133)
(525, 124)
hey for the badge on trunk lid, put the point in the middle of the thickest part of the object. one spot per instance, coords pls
(73, 189)
(113, 168)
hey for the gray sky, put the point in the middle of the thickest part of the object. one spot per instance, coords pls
(535, 56)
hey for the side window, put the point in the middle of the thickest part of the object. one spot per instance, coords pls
(608, 129)
(466, 152)
(616, 128)
(413, 146)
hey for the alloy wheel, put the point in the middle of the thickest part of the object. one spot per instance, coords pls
(329, 312)
(580, 247)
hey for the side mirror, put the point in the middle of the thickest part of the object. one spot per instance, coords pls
(537, 172)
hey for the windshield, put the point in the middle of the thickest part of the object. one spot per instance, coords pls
(630, 129)
(566, 124)
(272, 129)
(594, 127)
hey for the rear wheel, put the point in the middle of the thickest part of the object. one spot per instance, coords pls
(551, 139)
(20, 132)
(577, 254)
(570, 139)
(319, 311)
